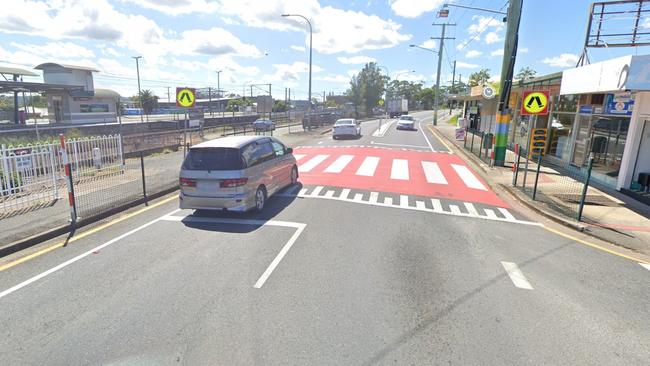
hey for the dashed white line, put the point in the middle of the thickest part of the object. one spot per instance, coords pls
(437, 206)
(432, 173)
(388, 201)
(420, 204)
(516, 276)
(345, 193)
(490, 213)
(339, 164)
(373, 197)
(403, 201)
(368, 166)
(303, 192)
(470, 208)
(329, 194)
(317, 190)
(358, 197)
(454, 209)
(506, 214)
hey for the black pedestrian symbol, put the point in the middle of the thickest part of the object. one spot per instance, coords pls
(536, 99)
(185, 96)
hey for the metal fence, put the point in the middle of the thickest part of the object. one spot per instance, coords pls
(480, 144)
(561, 186)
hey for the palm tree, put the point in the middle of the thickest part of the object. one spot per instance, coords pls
(525, 73)
(479, 78)
(149, 100)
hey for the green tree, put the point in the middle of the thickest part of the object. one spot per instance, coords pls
(373, 85)
(525, 73)
(279, 106)
(356, 93)
(404, 89)
(479, 78)
(149, 100)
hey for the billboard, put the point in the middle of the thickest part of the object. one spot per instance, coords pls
(264, 104)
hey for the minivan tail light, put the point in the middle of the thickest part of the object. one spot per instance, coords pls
(231, 183)
(185, 182)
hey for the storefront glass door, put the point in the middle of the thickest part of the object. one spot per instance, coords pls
(583, 141)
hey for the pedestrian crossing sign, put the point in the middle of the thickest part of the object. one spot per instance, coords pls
(535, 102)
(185, 97)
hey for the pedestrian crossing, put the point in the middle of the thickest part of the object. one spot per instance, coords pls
(407, 172)
(402, 201)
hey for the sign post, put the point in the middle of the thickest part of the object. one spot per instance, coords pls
(185, 98)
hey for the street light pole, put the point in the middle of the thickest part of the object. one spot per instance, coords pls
(137, 69)
(310, 49)
(437, 96)
(218, 90)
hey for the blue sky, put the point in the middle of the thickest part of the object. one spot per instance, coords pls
(183, 42)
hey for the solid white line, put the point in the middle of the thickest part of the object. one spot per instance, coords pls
(454, 209)
(312, 163)
(303, 192)
(397, 145)
(490, 213)
(470, 208)
(217, 220)
(381, 131)
(339, 164)
(368, 166)
(358, 197)
(433, 173)
(260, 282)
(420, 204)
(298, 156)
(79, 257)
(345, 193)
(400, 169)
(403, 201)
(645, 265)
(388, 201)
(516, 276)
(468, 177)
(317, 190)
(506, 214)
(437, 206)
(329, 194)
(374, 196)
(425, 135)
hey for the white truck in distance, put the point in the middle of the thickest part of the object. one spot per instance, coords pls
(398, 107)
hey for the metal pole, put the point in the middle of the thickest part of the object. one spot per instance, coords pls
(437, 91)
(539, 165)
(530, 127)
(210, 100)
(137, 69)
(516, 175)
(583, 196)
(144, 185)
(185, 133)
(453, 80)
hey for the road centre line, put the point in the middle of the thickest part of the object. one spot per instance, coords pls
(80, 256)
(398, 145)
(516, 276)
(381, 131)
(278, 258)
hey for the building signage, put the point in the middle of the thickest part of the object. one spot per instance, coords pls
(586, 109)
(620, 104)
(185, 97)
(535, 102)
(488, 92)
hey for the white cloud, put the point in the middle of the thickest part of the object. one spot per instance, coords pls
(414, 8)
(211, 42)
(335, 30)
(352, 72)
(563, 60)
(465, 65)
(178, 7)
(473, 53)
(429, 43)
(230, 21)
(483, 23)
(498, 52)
(492, 37)
(53, 49)
(522, 50)
(356, 60)
(109, 51)
(334, 78)
(460, 46)
(298, 48)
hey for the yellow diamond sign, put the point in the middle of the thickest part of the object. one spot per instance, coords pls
(535, 103)
(185, 97)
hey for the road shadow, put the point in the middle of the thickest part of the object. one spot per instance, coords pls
(241, 223)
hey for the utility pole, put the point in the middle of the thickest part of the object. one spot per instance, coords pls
(507, 70)
(137, 69)
(218, 90)
(442, 44)
(453, 80)
(169, 100)
(210, 99)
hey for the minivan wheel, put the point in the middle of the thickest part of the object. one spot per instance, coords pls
(294, 175)
(260, 199)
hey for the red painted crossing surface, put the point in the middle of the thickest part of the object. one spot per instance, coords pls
(462, 183)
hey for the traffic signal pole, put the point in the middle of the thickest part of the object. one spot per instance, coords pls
(507, 70)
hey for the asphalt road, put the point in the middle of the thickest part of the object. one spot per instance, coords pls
(317, 279)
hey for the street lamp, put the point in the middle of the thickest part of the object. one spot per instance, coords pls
(310, 49)
(423, 48)
(137, 69)
(403, 73)
(218, 91)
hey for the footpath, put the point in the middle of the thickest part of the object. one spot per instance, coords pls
(625, 222)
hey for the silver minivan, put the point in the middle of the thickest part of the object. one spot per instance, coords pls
(236, 173)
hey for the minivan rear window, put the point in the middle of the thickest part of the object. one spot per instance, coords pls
(213, 158)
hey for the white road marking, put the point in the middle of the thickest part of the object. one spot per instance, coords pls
(433, 173)
(303, 192)
(400, 169)
(490, 213)
(368, 166)
(312, 163)
(358, 197)
(381, 131)
(645, 265)
(470, 208)
(298, 156)
(345, 193)
(403, 200)
(468, 177)
(339, 164)
(317, 190)
(454, 209)
(420, 204)
(506, 214)
(397, 145)
(388, 201)
(295, 225)
(437, 206)
(425, 135)
(516, 276)
(374, 196)
(329, 194)
(80, 256)
(320, 142)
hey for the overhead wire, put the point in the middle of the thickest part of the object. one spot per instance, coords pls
(480, 32)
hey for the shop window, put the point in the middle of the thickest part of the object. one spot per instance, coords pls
(608, 136)
(93, 108)
(597, 99)
(560, 135)
(567, 103)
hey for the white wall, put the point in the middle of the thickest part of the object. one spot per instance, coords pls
(639, 115)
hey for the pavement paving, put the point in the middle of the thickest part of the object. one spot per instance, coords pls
(325, 282)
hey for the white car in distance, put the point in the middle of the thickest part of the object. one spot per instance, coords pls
(346, 127)
(406, 122)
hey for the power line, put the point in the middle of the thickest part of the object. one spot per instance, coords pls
(485, 27)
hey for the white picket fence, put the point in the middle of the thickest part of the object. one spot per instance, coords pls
(34, 175)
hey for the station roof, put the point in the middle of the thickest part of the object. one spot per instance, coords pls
(12, 86)
(64, 66)
(16, 71)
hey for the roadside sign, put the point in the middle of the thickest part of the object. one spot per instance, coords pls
(196, 117)
(535, 103)
(488, 92)
(380, 103)
(185, 97)
(23, 158)
(537, 142)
